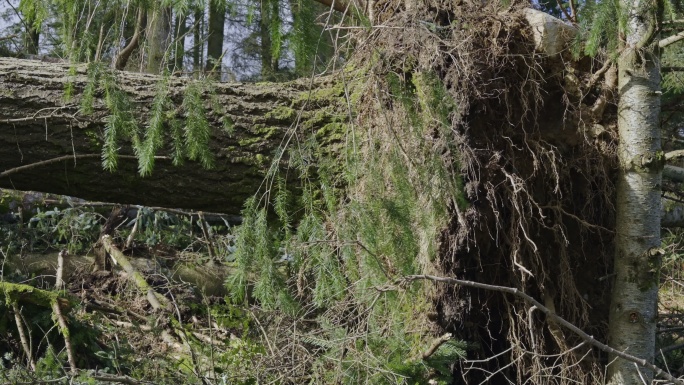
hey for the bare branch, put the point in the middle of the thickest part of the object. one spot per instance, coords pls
(62, 158)
(565, 11)
(338, 5)
(677, 154)
(671, 348)
(598, 74)
(154, 298)
(64, 329)
(122, 58)
(671, 40)
(673, 173)
(672, 215)
(562, 321)
(22, 335)
(59, 283)
(436, 344)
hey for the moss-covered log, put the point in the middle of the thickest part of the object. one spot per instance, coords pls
(38, 124)
(25, 293)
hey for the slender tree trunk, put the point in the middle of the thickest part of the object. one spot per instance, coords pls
(633, 311)
(132, 33)
(158, 38)
(31, 38)
(197, 49)
(179, 42)
(217, 20)
(269, 66)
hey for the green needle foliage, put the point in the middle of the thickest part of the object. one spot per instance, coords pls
(275, 26)
(328, 249)
(196, 130)
(160, 115)
(120, 123)
(304, 36)
(88, 98)
(188, 138)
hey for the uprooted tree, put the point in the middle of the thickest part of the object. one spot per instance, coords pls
(459, 141)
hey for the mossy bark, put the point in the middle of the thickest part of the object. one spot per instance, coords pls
(37, 124)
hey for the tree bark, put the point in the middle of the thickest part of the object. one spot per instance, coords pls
(633, 310)
(31, 38)
(179, 42)
(158, 38)
(269, 64)
(217, 20)
(37, 125)
(198, 43)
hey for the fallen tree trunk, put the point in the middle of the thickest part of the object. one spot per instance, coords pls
(37, 125)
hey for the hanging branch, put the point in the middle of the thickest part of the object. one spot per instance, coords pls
(558, 319)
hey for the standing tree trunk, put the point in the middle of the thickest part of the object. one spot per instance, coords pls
(269, 64)
(179, 42)
(198, 44)
(31, 38)
(633, 310)
(158, 38)
(217, 20)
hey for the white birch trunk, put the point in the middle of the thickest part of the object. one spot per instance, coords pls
(633, 309)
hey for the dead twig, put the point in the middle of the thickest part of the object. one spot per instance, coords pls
(22, 336)
(155, 299)
(64, 329)
(207, 236)
(59, 283)
(436, 344)
(63, 158)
